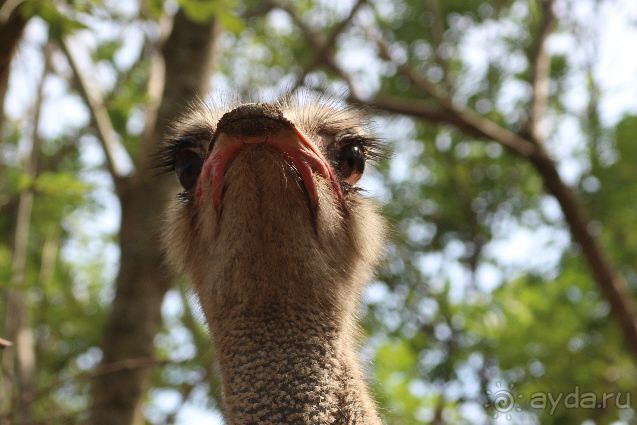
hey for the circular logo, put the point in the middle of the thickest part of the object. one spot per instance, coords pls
(503, 401)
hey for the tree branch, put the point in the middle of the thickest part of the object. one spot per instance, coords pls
(437, 37)
(325, 53)
(308, 32)
(325, 49)
(414, 108)
(101, 370)
(21, 361)
(465, 118)
(106, 134)
(182, 82)
(540, 72)
(611, 285)
(12, 25)
(155, 83)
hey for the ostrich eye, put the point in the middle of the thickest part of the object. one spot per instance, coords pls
(187, 167)
(350, 163)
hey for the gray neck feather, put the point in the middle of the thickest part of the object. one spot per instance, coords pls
(290, 368)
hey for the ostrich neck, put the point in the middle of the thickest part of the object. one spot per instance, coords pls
(280, 296)
(290, 365)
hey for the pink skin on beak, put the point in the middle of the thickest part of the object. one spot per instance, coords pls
(294, 147)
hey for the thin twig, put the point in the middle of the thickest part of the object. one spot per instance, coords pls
(437, 37)
(155, 84)
(466, 118)
(177, 77)
(540, 72)
(21, 360)
(325, 49)
(103, 369)
(106, 134)
(186, 392)
(308, 33)
(12, 25)
(419, 81)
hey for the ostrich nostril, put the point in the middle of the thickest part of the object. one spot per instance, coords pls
(252, 119)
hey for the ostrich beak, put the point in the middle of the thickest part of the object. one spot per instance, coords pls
(283, 137)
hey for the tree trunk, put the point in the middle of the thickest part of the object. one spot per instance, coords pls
(11, 28)
(143, 279)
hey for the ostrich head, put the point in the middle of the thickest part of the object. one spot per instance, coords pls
(278, 241)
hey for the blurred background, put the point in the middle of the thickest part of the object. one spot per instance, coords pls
(508, 291)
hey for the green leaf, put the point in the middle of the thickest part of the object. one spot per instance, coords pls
(203, 10)
(59, 24)
(106, 51)
(60, 184)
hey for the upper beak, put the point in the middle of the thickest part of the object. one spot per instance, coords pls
(289, 141)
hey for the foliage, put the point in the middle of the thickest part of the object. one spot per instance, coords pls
(451, 317)
(202, 11)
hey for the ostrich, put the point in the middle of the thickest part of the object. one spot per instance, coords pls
(278, 241)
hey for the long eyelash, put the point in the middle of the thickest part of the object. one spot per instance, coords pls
(373, 148)
(164, 159)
